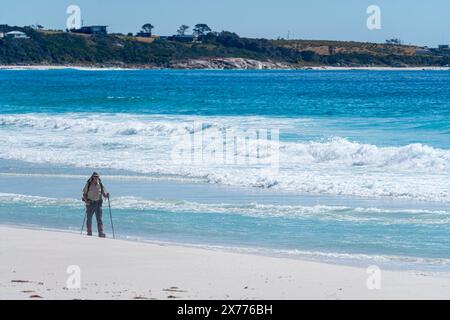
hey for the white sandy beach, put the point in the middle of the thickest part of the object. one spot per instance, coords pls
(34, 264)
(61, 67)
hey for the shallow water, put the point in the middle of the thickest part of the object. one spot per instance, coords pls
(364, 161)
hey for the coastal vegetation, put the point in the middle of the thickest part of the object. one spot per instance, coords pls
(62, 48)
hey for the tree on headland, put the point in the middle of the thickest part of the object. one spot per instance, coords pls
(395, 41)
(201, 29)
(182, 30)
(147, 28)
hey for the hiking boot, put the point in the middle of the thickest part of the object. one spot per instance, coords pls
(101, 234)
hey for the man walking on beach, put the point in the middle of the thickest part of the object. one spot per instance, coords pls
(93, 194)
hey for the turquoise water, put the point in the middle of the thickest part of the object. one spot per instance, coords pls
(364, 159)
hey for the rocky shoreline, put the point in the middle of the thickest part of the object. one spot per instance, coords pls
(213, 64)
(230, 64)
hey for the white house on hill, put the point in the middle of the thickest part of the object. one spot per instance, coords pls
(17, 35)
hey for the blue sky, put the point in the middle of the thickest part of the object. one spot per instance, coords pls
(413, 21)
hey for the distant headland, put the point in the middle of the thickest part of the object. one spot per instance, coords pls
(94, 47)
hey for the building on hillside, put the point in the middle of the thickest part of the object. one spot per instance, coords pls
(2, 35)
(144, 34)
(94, 30)
(17, 35)
(442, 50)
(423, 51)
(183, 38)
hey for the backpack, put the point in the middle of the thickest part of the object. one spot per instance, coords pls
(89, 182)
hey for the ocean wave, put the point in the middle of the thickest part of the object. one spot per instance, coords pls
(35, 201)
(144, 145)
(104, 124)
(154, 125)
(109, 177)
(320, 212)
(346, 153)
(335, 150)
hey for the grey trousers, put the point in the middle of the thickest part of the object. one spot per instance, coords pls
(94, 207)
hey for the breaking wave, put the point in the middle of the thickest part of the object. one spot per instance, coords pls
(143, 144)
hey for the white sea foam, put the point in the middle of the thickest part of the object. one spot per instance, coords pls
(319, 212)
(109, 177)
(339, 256)
(143, 144)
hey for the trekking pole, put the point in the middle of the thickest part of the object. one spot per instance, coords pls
(110, 215)
(84, 221)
